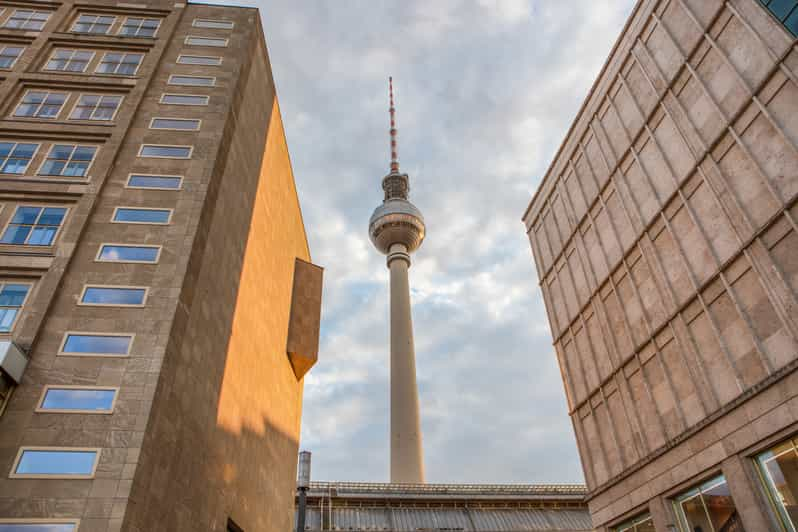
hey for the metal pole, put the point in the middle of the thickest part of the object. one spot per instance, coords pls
(300, 516)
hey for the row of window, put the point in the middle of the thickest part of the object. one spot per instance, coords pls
(709, 507)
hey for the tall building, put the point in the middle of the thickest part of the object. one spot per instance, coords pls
(157, 305)
(666, 244)
(397, 229)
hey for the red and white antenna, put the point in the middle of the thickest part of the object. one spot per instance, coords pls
(394, 157)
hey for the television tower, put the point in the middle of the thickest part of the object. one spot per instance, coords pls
(397, 229)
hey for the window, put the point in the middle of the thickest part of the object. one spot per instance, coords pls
(641, 523)
(786, 11)
(708, 507)
(16, 156)
(193, 40)
(12, 297)
(142, 216)
(163, 152)
(156, 182)
(208, 60)
(181, 124)
(121, 64)
(139, 27)
(77, 399)
(9, 55)
(184, 99)
(69, 60)
(76, 343)
(96, 107)
(778, 468)
(34, 226)
(100, 24)
(126, 253)
(38, 525)
(213, 24)
(68, 160)
(200, 81)
(43, 462)
(116, 296)
(27, 19)
(41, 104)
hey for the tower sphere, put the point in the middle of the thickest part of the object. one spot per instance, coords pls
(396, 221)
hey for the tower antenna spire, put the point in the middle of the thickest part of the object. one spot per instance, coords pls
(392, 110)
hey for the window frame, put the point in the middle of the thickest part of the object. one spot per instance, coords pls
(96, 15)
(43, 206)
(214, 57)
(766, 481)
(130, 175)
(135, 207)
(67, 334)
(206, 104)
(47, 387)
(90, 120)
(32, 9)
(215, 21)
(171, 81)
(121, 62)
(632, 523)
(142, 17)
(41, 521)
(192, 120)
(73, 50)
(159, 248)
(48, 92)
(13, 474)
(32, 158)
(3, 283)
(85, 177)
(86, 286)
(14, 62)
(189, 37)
(188, 157)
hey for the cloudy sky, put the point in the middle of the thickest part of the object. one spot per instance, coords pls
(486, 90)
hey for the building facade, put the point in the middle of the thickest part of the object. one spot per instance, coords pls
(157, 304)
(665, 234)
(364, 507)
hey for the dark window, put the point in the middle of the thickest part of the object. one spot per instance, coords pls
(786, 11)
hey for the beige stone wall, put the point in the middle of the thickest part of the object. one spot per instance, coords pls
(665, 239)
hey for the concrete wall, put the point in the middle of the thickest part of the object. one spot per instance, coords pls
(664, 235)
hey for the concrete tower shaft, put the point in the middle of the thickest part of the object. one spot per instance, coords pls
(397, 229)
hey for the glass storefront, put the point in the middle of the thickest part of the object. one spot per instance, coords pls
(779, 469)
(708, 508)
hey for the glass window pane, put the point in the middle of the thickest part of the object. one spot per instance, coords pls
(174, 123)
(52, 216)
(26, 215)
(779, 468)
(150, 181)
(206, 41)
(191, 80)
(7, 316)
(215, 24)
(15, 234)
(179, 152)
(199, 60)
(113, 296)
(42, 235)
(78, 399)
(13, 295)
(97, 344)
(720, 506)
(151, 216)
(56, 462)
(38, 527)
(184, 99)
(115, 253)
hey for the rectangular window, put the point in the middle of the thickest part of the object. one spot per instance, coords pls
(12, 298)
(197, 81)
(213, 24)
(179, 124)
(68, 160)
(136, 215)
(155, 182)
(16, 156)
(119, 64)
(216, 42)
(99, 24)
(39, 525)
(778, 468)
(127, 253)
(707, 507)
(9, 55)
(208, 60)
(139, 27)
(184, 99)
(642, 523)
(43, 462)
(77, 399)
(786, 11)
(27, 19)
(41, 104)
(109, 345)
(164, 152)
(34, 226)
(69, 60)
(114, 296)
(96, 107)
